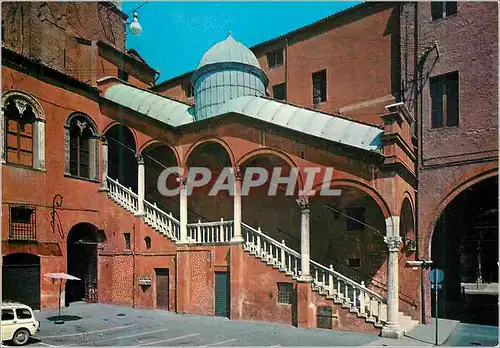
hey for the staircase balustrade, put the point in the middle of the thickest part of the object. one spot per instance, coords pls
(211, 232)
(342, 290)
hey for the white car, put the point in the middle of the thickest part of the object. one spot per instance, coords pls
(18, 323)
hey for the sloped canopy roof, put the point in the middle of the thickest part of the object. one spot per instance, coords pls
(168, 111)
(317, 124)
(305, 121)
(228, 51)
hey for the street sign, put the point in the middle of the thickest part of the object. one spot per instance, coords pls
(436, 276)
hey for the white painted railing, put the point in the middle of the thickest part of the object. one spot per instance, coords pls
(161, 221)
(352, 295)
(345, 291)
(269, 249)
(210, 232)
(122, 195)
(357, 297)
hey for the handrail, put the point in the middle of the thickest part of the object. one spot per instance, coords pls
(265, 236)
(211, 223)
(155, 207)
(348, 280)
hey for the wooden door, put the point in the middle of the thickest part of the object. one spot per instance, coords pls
(162, 288)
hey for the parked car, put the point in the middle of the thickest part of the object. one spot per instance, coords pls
(18, 323)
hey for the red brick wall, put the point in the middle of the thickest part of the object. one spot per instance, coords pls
(451, 156)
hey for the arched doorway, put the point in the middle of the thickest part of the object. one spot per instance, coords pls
(465, 247)
(121, 156)
(82, 263)
(21, 279)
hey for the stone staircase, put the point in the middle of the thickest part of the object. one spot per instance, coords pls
(343, 291)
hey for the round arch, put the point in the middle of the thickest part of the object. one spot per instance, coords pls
(116, 123)
(263, 152)
(384, 207)
(206, 140)
(153, 143)
(93, 125)
(29, 98)
(451, 196)
(122, 151)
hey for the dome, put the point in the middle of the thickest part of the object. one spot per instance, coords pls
(229, 50)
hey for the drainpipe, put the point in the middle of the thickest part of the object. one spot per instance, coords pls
(418, 131)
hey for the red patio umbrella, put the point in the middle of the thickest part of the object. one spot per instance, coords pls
(60, 276)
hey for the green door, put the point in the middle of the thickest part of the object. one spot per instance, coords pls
(222, 294)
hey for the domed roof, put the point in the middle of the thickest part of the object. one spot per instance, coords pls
(229, 50)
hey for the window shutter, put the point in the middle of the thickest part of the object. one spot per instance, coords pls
(436, 103)
(451, 8)
(452, 100)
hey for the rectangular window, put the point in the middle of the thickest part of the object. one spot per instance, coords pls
(444, 100)
(127, 240)
(275, 58)
(354, 262)
(188, 89)
(356, 219)
(22, 222)
(23, 313)
(442, 9)
(319, 86)
(279, 91)
(122, 75)
(285, 293)
(19, 142)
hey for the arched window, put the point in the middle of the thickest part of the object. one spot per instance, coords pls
(81, 147)
(23, 130)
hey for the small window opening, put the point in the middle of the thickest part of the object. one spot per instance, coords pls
(285, 293)
(127, 240)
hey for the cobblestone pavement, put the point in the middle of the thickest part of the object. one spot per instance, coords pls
(107, 325)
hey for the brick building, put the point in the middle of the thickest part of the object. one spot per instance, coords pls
(92, 132)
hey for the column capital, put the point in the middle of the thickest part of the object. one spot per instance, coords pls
(182, 181)
(104, 141)
(140, 158)
(237, 173)
(304, 204)
(392, 242)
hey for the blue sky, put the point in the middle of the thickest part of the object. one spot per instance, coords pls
(176, 34)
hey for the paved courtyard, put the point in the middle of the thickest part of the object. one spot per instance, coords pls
(107, 325)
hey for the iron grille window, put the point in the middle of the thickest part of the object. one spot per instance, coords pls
(356, 219)
(275, 58)
(444, 100)
(279, 91)
(442, 9)
(285, 293)
(126, 236)
(319, 86)
(22, 222)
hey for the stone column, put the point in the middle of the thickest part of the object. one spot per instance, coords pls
(141, 185)
(39, 144)
(393, 241)
(183, 219)
(304, 240)
(237, 238)
(104, 176)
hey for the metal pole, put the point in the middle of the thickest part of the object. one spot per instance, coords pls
(437, 316)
